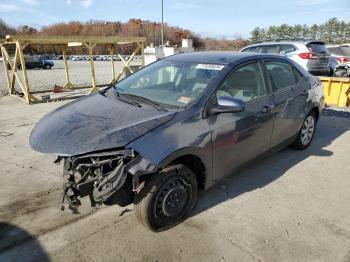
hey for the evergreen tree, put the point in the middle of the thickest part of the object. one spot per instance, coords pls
(256, 35)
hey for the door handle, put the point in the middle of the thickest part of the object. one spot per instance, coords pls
(267, 108)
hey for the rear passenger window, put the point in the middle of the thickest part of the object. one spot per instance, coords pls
(245, 83)
(285, 49)
(268, 49)
(251, 49)
(281, 75)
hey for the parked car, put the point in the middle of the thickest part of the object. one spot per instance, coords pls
(116, 58)
(339, 55)
(46, 57)
(102, 58)
(313, 56)
(33, 62)
(177, 126)
(342, 70)
(76, 58)
(58, 57)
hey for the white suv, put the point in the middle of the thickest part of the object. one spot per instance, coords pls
(312, 55)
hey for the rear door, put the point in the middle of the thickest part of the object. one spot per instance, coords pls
(239, 137)
(290, 91)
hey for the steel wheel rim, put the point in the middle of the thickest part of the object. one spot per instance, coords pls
(172, 200)
(307, 130)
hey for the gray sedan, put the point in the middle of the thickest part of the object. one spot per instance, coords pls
(177, 126)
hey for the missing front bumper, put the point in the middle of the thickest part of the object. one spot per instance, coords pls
(106, 177)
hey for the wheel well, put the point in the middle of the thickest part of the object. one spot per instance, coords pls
(196, 165)
(317, 113)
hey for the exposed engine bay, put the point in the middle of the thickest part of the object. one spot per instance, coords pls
(108, 177)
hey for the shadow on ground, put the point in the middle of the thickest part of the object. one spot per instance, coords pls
(12, 236)
(267, 170)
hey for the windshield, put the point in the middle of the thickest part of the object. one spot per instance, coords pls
(170, 83)
(346, 50)
(340, 50)
(336, 50)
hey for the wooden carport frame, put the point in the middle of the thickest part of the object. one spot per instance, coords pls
(21, 42)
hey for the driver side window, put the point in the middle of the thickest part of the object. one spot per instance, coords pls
(245, 83)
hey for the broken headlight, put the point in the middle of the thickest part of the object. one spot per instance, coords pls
(97, 175)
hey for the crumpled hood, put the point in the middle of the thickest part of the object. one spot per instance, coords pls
(94, 123)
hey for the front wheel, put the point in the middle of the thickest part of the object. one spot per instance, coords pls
(167, 198)
(306, 132)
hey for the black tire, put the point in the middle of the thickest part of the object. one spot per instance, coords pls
(167, 198)
(306, 132)
(47, 66)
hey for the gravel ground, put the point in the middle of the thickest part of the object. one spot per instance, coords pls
(291, 206)
(80, 74)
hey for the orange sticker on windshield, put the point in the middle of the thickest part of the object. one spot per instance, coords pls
(184, 100)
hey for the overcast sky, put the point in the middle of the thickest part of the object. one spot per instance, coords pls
(216, 18)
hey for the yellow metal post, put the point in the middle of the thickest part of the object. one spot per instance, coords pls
(111, 52)
(127, 64)
(142, 54)
(24, 71)
(66, 71)
(6, 64)
(14, 68)
(21, 41)
(91, 47)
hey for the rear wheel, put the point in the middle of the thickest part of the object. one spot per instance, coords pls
(167, 198)
(47, 66)
(306, 133)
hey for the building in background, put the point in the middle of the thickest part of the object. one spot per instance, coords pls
(153, 54)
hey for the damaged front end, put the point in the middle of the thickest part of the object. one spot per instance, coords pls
(109, 177)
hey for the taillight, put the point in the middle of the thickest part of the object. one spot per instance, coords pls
(342, 59)
(306, 55)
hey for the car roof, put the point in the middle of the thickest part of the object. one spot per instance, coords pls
(287, 43)
(218, 57)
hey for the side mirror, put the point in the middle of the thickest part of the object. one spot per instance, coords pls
(227, 104)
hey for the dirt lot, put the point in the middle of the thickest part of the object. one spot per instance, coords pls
(79, 71)
(291, 206)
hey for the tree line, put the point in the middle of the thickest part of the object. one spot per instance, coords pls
(134, 27)
(332, 31)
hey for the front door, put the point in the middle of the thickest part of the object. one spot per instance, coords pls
(239, 137)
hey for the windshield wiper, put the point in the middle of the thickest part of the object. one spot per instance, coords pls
(122, 97)
(156, 105)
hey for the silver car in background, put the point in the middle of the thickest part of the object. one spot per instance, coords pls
(313, 56)
(340, 54)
